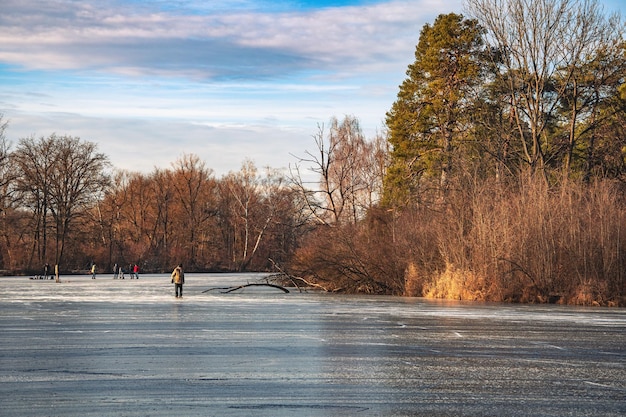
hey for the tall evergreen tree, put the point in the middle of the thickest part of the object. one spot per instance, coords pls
(430, 120)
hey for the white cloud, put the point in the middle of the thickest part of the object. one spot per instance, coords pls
(151, 84)
(79, 35)
(143, 144)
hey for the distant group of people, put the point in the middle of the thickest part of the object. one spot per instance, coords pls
(47, 274)
(178, 275)
(118, 271)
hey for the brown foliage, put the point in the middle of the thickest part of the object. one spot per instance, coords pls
(183, 214)
(532, 244)
(525, 243)
(352, 258)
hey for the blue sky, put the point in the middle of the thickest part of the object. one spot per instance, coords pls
(150, 81)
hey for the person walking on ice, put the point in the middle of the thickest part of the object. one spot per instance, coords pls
(178, 279)
(93, 271)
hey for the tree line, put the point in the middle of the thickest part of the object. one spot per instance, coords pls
(63, 203)
(499, 175)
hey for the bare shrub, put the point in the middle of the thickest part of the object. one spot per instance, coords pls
(413, 281)
(454, 283)
(522, 243)
(360, 258)
(589, 294)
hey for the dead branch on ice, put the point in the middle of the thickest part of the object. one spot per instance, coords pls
(283, 289)
(226, 290)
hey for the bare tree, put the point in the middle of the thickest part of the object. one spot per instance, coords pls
(163, 200)
(322, 209)
(34, 161)
(254, 202)
(347, 174)
(541, 45)
(349, 170)
(6, 175)
(109, 216)
(193, 183)
(77, 183)
(591, 100)
(7, 194)
(63, 176)
(373, 167)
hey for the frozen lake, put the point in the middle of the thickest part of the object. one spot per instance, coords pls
(109, 347)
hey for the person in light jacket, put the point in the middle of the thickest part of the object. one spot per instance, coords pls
(178, 279)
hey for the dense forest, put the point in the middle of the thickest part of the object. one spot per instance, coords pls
(499, 176)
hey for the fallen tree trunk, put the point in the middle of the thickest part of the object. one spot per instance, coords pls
(263, 284)
(283, 289)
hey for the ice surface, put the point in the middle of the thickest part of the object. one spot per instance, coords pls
(109, 347)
